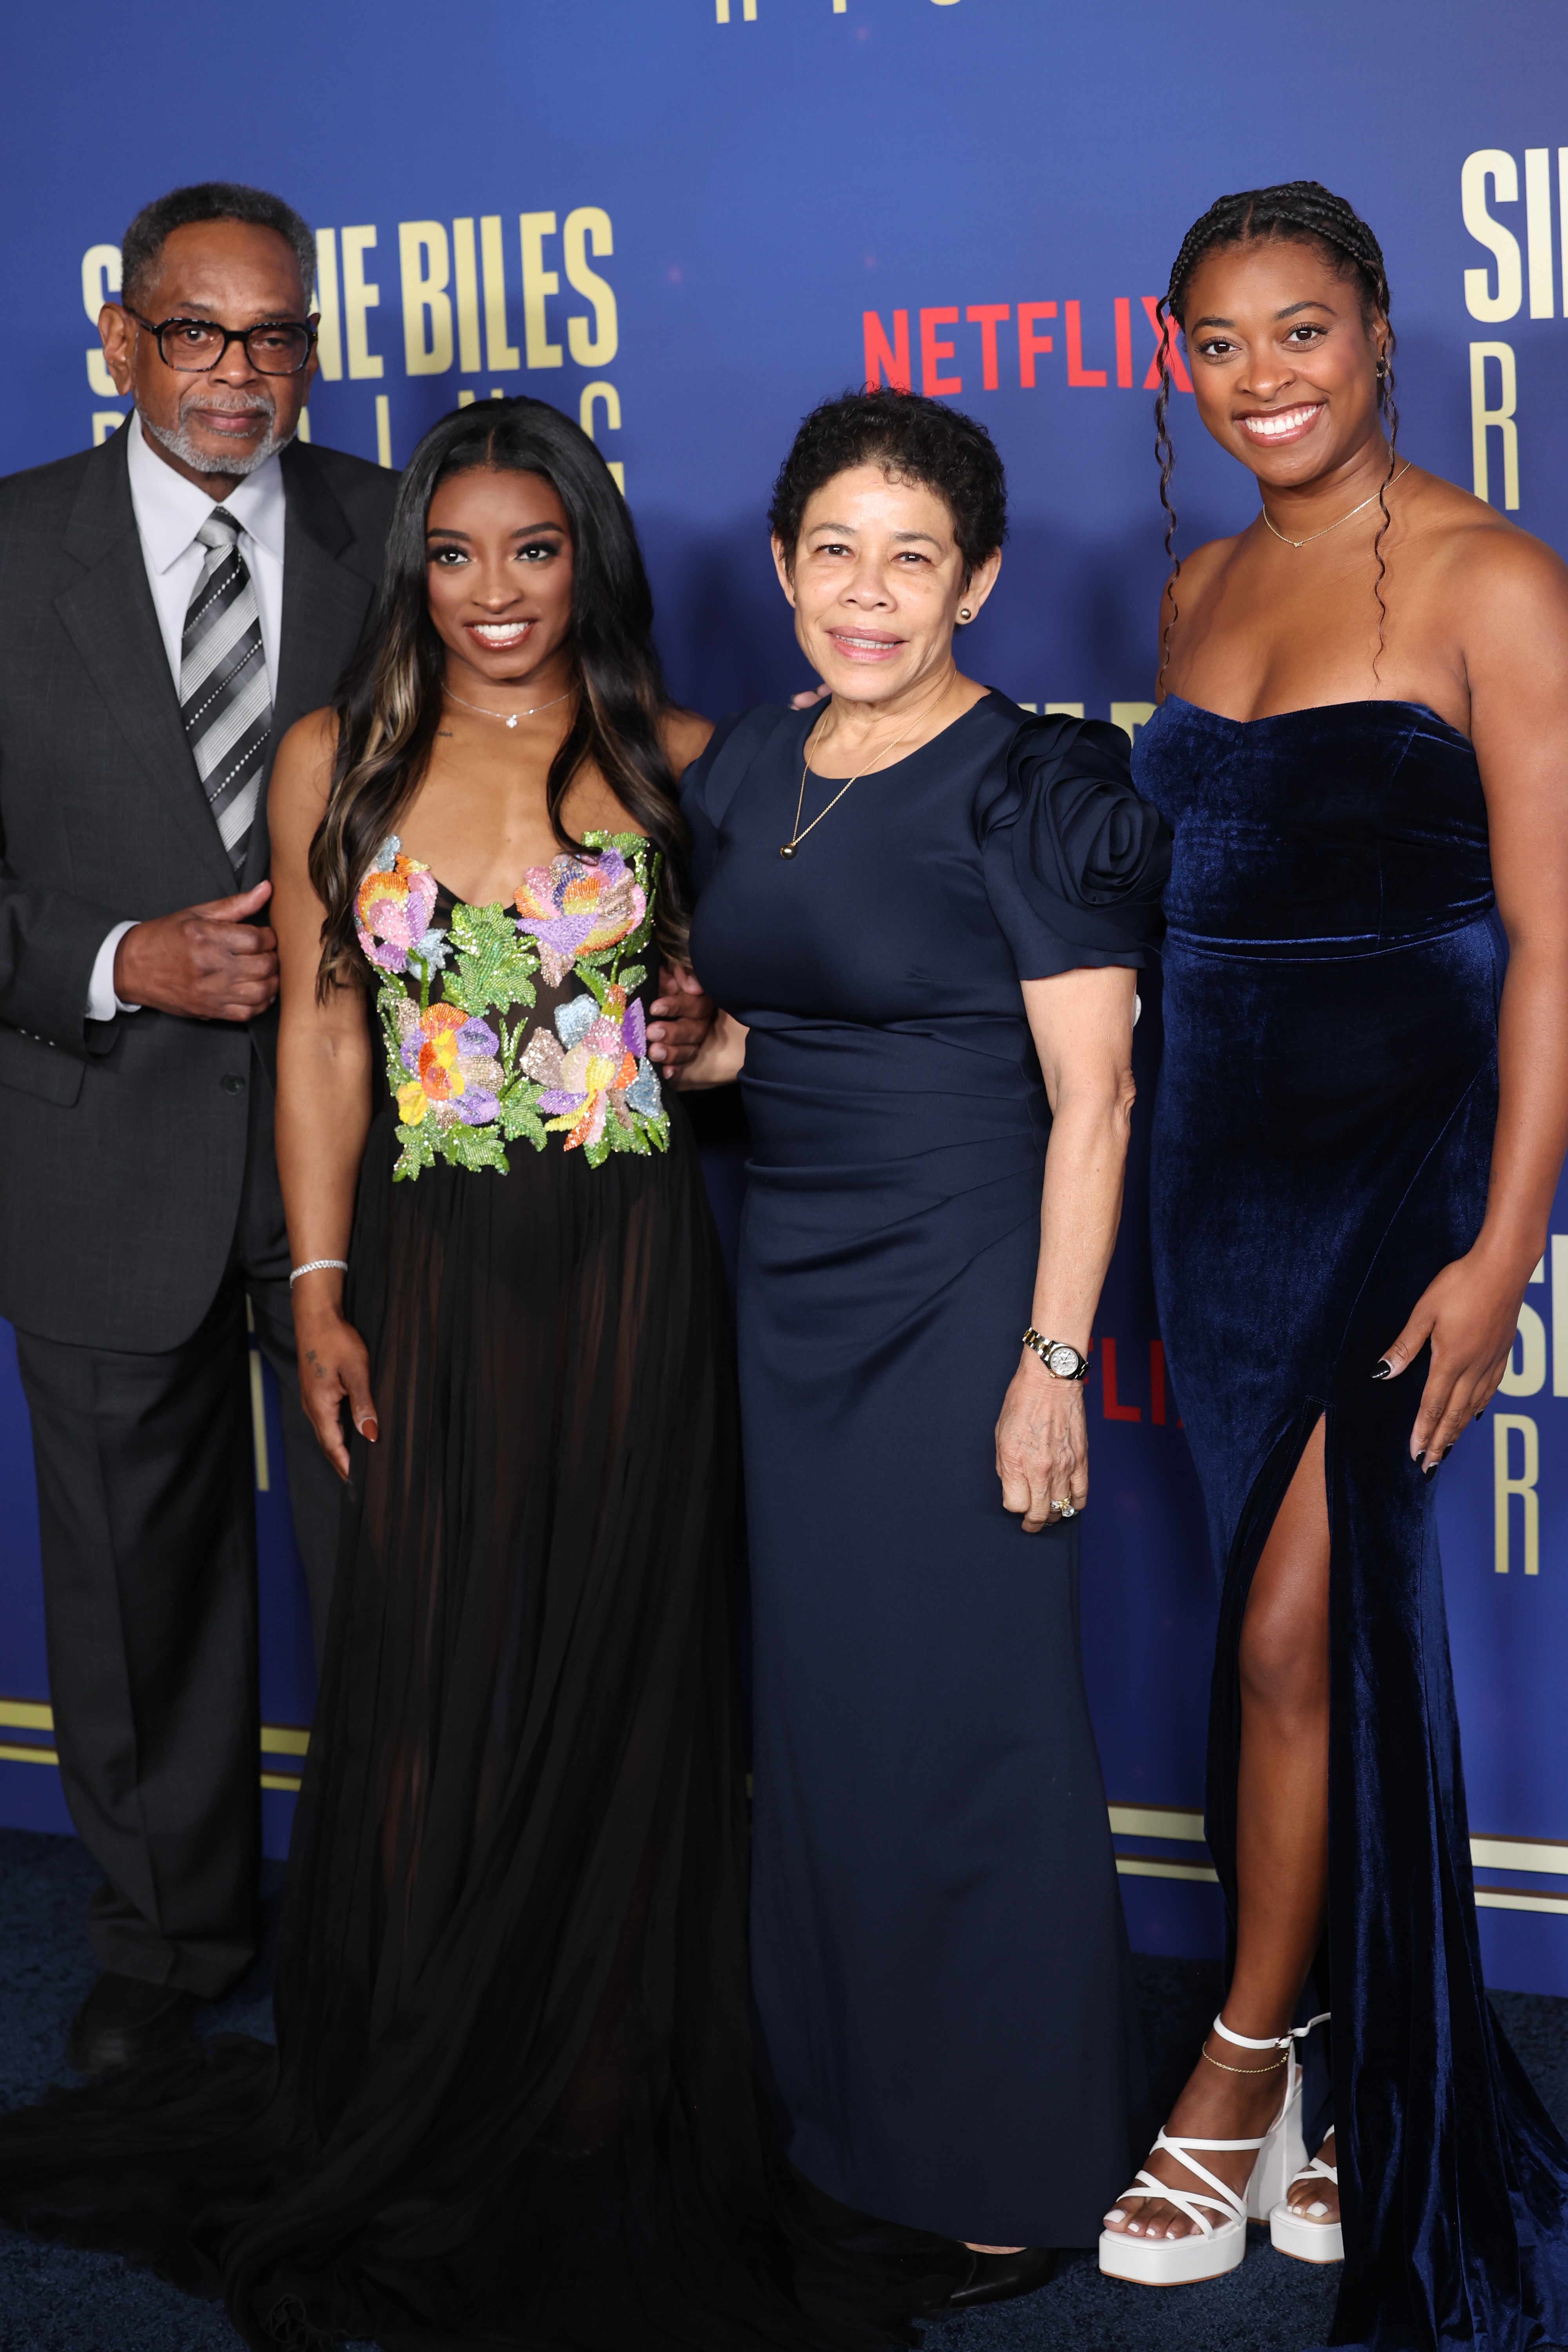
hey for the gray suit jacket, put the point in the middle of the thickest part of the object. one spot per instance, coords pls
(124, 1143)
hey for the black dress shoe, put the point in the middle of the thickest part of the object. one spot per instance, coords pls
(997, 2277)
(123, 2020)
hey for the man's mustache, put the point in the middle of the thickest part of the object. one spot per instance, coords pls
(239, 404)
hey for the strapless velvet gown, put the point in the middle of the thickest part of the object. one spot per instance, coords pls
(1322, 1138)
(938, 1948)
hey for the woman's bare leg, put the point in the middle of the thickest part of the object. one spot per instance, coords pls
(1282, 1849)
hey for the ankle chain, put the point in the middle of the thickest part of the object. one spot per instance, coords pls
(1272, 2068)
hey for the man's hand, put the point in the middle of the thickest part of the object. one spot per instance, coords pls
(209, 962)
(680, 1021)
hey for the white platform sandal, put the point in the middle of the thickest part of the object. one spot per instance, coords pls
(1305, 2235)
(1217, 2245)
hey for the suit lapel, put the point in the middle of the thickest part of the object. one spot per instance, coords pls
(109, 616)
(324, 608)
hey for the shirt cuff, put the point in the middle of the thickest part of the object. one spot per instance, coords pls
(102, 1003)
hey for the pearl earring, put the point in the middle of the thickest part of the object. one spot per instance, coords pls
(963, 611)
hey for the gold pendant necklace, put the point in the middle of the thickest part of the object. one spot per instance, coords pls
(788, 848)
(496, 714)
(1344, 518)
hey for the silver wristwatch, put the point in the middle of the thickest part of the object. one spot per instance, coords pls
(1064, 1362)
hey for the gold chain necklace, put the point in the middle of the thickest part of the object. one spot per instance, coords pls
(496, 714)
(1344, 518)
(788, 848)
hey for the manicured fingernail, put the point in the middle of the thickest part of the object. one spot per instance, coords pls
(1478, 1414)
(1447, 1450)
(1384, 1369)
(1429, 1469)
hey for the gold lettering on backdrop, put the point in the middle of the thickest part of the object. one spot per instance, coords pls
(466, 274)
(502, 354)
(587, 230)
(106, 421)
(1530, 1376)
(425, 263)
(329, 332)
(1493, 164)
(1505, 1426)
(1560, 1314)
(592, 394)
(383, 429)
(537, 283)
(303, 428)
(1500, 419)
(359, 299)
(99, 279)
(1538, 228)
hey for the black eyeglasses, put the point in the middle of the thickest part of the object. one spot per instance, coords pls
(196, 346)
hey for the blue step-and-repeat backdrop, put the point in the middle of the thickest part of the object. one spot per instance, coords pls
(684, 221)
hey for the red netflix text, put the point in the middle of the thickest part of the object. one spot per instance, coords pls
(951, 345)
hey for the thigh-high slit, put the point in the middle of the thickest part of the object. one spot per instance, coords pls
(1306, 1193)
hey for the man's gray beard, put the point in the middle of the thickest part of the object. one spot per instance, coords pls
(180, 444)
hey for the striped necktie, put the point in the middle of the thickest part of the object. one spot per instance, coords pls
(225, 699)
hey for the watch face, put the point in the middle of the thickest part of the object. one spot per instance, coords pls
(1065, 1362)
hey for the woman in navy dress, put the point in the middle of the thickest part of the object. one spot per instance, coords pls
(1362, 737)
(912, 904)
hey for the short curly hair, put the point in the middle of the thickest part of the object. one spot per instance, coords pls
(914, 440)
(142, 247)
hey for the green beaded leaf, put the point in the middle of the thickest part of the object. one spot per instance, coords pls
(632, 977)
(473, 1146)
(495, 964)
(417, 1152)
(519, 1118)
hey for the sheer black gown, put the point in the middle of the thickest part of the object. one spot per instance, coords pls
(512, 2099)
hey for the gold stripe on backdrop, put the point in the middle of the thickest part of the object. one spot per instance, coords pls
(1164, 1824)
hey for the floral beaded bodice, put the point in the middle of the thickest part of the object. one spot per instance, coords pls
(507, 1024)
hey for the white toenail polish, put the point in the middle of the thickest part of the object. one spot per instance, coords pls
(1317, 2211)
(1116, 2214)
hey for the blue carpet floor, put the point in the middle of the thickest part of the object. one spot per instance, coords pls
(54, 2301)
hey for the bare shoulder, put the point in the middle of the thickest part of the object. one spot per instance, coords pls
(302, 772)
(684, 735)
(1505, 591)
(1198, 573)
(1185, 595)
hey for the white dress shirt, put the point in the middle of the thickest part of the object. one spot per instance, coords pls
(168, 512)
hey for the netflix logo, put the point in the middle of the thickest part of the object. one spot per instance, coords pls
(1002, 336)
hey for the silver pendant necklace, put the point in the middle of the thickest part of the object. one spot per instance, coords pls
(516, 715)
(1344, 518)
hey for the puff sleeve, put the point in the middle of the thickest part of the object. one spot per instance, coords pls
(1073, 860)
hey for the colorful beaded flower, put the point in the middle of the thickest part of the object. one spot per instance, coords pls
(596, 1068)
(577, 907)
(456, 1075)
(396, 902)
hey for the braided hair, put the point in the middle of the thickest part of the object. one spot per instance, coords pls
(1299, 212)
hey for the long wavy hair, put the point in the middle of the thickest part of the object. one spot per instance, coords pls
(388, 704)
(1299, 212)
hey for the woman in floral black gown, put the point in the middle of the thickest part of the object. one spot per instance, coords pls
(512, 2097)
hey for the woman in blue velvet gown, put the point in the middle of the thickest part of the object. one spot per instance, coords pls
(910, 903)
(1363, 735)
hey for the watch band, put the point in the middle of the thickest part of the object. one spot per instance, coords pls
(1046, 1349)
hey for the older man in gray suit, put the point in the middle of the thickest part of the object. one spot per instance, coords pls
(169, 604)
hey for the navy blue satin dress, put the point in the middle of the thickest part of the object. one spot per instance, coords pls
(938, 1946)
(1322, 1138)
